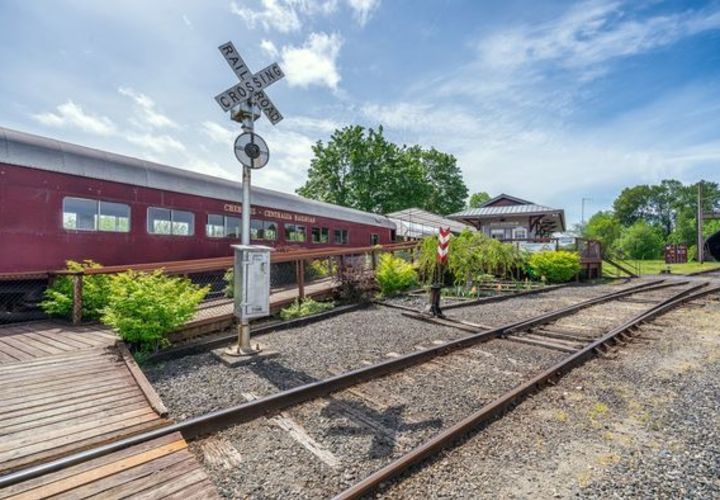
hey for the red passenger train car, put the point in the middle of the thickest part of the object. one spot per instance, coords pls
(60, 201)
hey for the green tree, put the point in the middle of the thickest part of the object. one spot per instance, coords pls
(361, 169)
(477, 199)
(641, 241)
(604, 227)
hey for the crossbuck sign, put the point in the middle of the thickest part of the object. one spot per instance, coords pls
(251, 84)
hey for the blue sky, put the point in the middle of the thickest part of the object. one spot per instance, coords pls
(551, 101)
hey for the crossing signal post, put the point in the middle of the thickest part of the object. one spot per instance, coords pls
(437, 285)
(245, 101)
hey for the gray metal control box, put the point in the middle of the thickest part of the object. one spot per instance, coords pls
(252, 281)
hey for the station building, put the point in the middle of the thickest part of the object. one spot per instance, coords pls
(509, 218)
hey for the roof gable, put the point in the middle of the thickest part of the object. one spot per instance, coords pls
(503, 200)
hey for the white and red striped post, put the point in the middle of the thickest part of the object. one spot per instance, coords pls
(442, 257)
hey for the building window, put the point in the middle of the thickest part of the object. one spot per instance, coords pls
(223, 226)
(263, 230)
(498, 234)
(320, 235)
(167, 221)
(83, 214)
(520, 233)
(341, 236)
(293, 232)
(374, 239)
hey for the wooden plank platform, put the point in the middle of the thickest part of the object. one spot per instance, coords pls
(64, 389)
(162, 468)
(40, 339)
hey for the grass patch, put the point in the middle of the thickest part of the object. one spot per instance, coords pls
(655, 266)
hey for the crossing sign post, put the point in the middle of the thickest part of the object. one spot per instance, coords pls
(443, 248)
(245, 100)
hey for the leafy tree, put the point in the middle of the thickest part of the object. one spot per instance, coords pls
(362, 169)
(604, 227)
(477, 199)
(641, 241)
(632, 204)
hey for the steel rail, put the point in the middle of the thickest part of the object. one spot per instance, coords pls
(245, 412)
(513, 397)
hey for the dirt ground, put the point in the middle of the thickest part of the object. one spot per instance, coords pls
(642, 423)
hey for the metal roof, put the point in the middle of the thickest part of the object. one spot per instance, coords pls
(517, 200)
(416, 223)
(28, 150)
(504, 210)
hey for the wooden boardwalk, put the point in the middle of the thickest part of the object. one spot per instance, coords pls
(64, 389)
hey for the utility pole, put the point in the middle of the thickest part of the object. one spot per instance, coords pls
(582, 203)
(700, 214)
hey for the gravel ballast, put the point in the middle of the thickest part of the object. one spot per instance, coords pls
(319, 447)
(640, 424)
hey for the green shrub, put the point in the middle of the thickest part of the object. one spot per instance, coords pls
(554, 266)
(305, 308)
(59, 296)
(229, 279)
(144, 307)
(471, 256)
(393, 274)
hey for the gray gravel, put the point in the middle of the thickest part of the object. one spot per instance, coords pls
(642, 424)
(363, 428)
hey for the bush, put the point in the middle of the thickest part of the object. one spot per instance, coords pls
(229, 279)
(96, 288)
(641, 241)
(554, 266)
(356, 284)
(394, 274)
(471, 255)
(305, 308)
(144, 307)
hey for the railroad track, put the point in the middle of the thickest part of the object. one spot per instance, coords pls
(381, 402)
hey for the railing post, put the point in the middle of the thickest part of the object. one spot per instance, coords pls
(300, 272)
(77, 298)
(373, 257)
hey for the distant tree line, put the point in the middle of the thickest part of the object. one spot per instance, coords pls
(646, 217)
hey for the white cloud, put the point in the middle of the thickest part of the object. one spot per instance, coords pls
(363, 9)
(272, 14)
(285, 16)
(306, 123)
(187, 21)
(70, 114)
(269, 47)
(590, 34)
(145, 111)
(315, 62)
(156, 143)
(218, 133)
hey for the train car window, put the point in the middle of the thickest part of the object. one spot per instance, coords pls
(114, 217)
(166, 221)
(320, 234)
(374, 239)
(270, 230)
(293, 232)
(215, 227)
(341, 236)
(159, 221)
(80, 214)
(263, 230)
(233, 227)
(183, 223)
(257, 229)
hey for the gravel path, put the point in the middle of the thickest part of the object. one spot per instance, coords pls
(642, 424)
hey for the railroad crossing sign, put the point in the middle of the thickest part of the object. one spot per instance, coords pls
(251, 85)
(443, 242)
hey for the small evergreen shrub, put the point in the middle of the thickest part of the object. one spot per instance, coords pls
(554, 266)
(229, 279)
(305, 308)
(393, 274)
(144, 307)
(96, 288)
